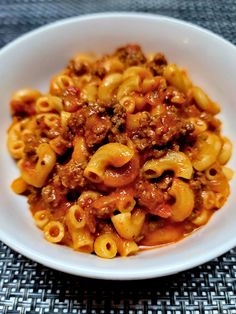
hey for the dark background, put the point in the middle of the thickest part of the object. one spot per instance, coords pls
(27, 287)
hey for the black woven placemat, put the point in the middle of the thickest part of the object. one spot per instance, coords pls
(28, 287)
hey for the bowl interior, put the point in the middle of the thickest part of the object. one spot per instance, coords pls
(33, 59)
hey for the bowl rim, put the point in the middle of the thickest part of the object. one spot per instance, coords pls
(104, 274)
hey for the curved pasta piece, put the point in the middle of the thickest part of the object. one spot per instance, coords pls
(80, 152)
(37, 175)
(154, 83)
(125, 247)
(49, 103)
(112, 65)
(142, 72)
(83, 240)
(163, 235)
(228, 173)
(129, 103)
(175, 161)
(88, 197)
(52, 120)
(26, 95)
(64, 118)
(107, 204)
(125, 203)
(22, 98)
(105, 246)
(226, 151)
(112, 154)
(59, 83)
(109, 84)
(177, 77)
(202, 218)
(123, 175)
(208, 199)
(81, 81)
(54, 231)
(199, 125)
(83, 61)
(129, 226)
(19, 186)
(41, 218)
(75, 217)
(90, 92)
(134, 120)
(15, 142)
(184, 200)
(208, 147)
(204, 102)
(131, 84)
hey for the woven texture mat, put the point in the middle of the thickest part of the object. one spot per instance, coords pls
(27, 287)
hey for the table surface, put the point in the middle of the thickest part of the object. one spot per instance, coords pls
(28, 287)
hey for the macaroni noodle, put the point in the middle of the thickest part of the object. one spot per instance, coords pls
(124, 151)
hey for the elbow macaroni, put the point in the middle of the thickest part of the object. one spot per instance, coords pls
(129, 226)
(204, 102)
(49, 103)
(184, 200)
(208, 148)
(113, 154)
(36, 175)
(178, 162)
(122, 152)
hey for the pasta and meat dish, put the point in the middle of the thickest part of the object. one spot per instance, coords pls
(123, 152)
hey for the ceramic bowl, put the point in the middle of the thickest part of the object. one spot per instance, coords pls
(31, 60)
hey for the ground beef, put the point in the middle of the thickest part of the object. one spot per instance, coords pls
(97, 124)
(71, 175)
(92, 108)
(165, 181)
(152, 154)
(34, 195)
(71, 100)
(96, 129)
(118, 121)
(144, 136)
(170, 127)
(91, 121)
(149, 195)
(197, 186)
(54, 194)
(41, 125)
(99, 69)
(189, 110)
(118, 117)
(31, 143)
(104, 207)
(76, 122)
(22, 109)
(67, 137)
(155, 98)
(157, 64)
(160, 130)
(60, 145)
(121, 138)
(214, 124)
(79, 67)
(174, 96)
(131, 55)
(45, 130)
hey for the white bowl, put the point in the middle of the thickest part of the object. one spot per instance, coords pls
(31, 60)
